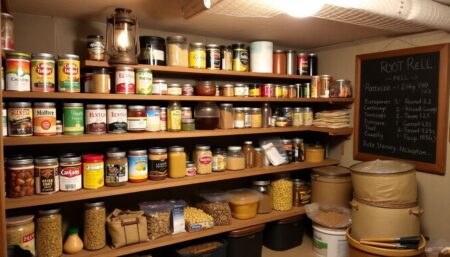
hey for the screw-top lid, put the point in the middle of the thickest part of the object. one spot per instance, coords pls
(68, 56)
(212, 46)
(248, 142)
(45, 56)
(176, 149)
(92, 157)
(226, 105)
(151, 40)
(94, 204)
(44, 104)
(234, 148)
(19, 220)
(299, 182)
(157, 150)
(176, 39)
(95, 106)
(73, 105)
(70, 157)
(297, 140)
(46, 160)
(19, 104)
(49, 211)
(136, 107)
(332, 171)
(261, 182)
(198, 44)
(19, 161)
(258, 149)
(137, 151)
(202, 147)
(117, 106)
(116, 154)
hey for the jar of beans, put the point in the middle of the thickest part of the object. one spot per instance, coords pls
(49, 240)
(20, 177)
(282, 193)
(94, 226)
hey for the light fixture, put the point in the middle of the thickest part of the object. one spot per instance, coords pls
(297, 8)
(122, 44)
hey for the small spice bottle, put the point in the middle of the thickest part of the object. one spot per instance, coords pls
(49, 241)
(101, 81)
(94, 236)
(116, 170)
(59, 127)
(288, 148)
(19, 177)
(70, 172)
(177, 162)
(219, 160)
(158, 161)
(46, 175)
(93, 171)
(138, 165)
(136, 119)
(256, 118)
(239, 117)
(203, 159)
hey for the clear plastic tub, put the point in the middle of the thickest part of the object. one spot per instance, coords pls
(244, 203)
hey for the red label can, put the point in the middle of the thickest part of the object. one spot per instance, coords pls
(302, 64)
(268, 90)
(125, 81)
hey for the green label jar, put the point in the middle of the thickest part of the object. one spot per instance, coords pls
(73, 118)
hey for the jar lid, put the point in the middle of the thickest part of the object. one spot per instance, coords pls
(325, 76)
(114, 149)
(153, 107)
(297, 140)
(19, 104)
(244, 196)
(292, 86)
(157, 150)
(101, 71)
(301, 54)
(17, 54)
(187, 121)
(137, 151)
(185, 108)
(136, 107)
(117, 106)
(49, 211)
(187, 85)
(268, 84)
(246, 108)
(190, 164)
(92, 157)
(7, 15)
(206, 83)
(261, 182)
(212, 46)
(281, 118)
(215, 196)
(150, 40)
(240, 85)
(198, 44)
(95, 106)
(228, 85)
(45, 56)
(19, 220)
(70, 157)
(287, 108)
(299, 182)
(308, 109)
(291, 51)
(119, 154)
(298, 109)
(73, 105)
(226, 105)
(94, 204)
(46, 160)
(256, 109)
(248, 142)
(176, 148)
(332, 171)
(143, 70)
(44, 104)
(68, 56)
(312, 54)
(286, 141)
(219, 150)
(382, 167)
(342, 80)
(174, 85)
(279, 51)
(176, 39)
(238, 109)
(19, 161)
(238, 45)
(163, 109)
(234, 148)
(95, 37)
(124, 68)
(160, 81)
(203, 147)
(259, 149)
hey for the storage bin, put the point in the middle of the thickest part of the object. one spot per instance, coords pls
(329, 242)
(284, 234)
(385, 182)
(210, 249)
(246, 242)
(331, 186)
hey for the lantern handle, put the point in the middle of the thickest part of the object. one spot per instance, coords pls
(136, 40)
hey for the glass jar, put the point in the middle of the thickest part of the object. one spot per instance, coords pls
(203, 159)
(298, 147)
(235, 158)
(292, 91)
(302, 193)
(288, 113)
(254, 90)
(94, 237)
(174, 89)
(259, 157)
(279, 62)
(20, 232)
(191, 169)
(205, 88)
(281, 122)
(256, 117)
(240, 57)
(278, 91)
(226, 58)
(297, 117)
(116, 170)
(153, 118)
(93, 171)
(187, 124)
(288, 148)
(186, 113)
(187, 89)
(213, 57)
(70, 172)
(325, 85)
(226, 116)
(174, 116)
(138, 165)
(308, 116)
(153, 50)
(241, 90)
(136, 119)
(266, 112)
(197, 56)
(116, 118)
(341, 88)
(159, 87)
(19, 177)
(249, 153)
(239, 117)
(282, 192)
(46, 175)
(227, 90)
(247, 117)
(158, 163)
(285, 91)
(7, 32)
(95, 48)
(219, 160)
(206, 116)
(177, 162)
(163, 119)
(265, 204)
(177, 51)
(268, 90)
(49, 241)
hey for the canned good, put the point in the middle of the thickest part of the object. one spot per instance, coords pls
(291, 62)
(137, 165)
(95, 119)
(116, 173)
(240, 57)
(254, 90)
(69, 73)
(125, 80)
(212, 57)
(226, 58)
(20, 116)
(302, 64)
(116, 118)
(95, 48)
(70, 178)
(44, 119)
(153, 118)
(46, 175)
(136, 118)
(159, 87)
(187, 89)
(278, 91)
(268, 90)
(144, 81)
(312, 64)
(18, 72)
(93, 171)
(197, 56)
(73, 118)
(315, 81)
(43, 72)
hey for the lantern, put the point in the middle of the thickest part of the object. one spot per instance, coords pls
(122, 44)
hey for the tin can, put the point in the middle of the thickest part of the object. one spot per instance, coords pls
(20, 119)
(163, 119)
(315, 81)
(153, 118)
(18, 72)
(95, 48)
(302, 64)
(159, 87)
(197, 56)
(73, 118)
(4, 120)
(187, 90)
(69, 73)
(46, 175)
(240, 57)
(93, 171)
(44, 119)
(288, 114)
(137, 165)
(70, 178)
(278, 91)
(144, 81)
(125, 80)
(43, 72)
(95, 119)
(291, 62)
(213, 57)
(312, 64)
(268, 90)
(116, 118)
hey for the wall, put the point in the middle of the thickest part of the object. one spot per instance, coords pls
(434, 190)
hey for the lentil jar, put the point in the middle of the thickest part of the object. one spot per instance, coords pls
(125, 80)
(137, 165)
(240, 57)
(46, 175)
(144, 81)
(116, 118)
(43, 72)
(136, 118)
(116, 169)
(17, 72)
(213, 57)
(20, 116)
(177, 51)
(69, 73)
(153, 118)
(197, 56)
(73, 118)
(20, 232)
(44, 119)
(94, 236)
(95, 119)
(158, 163)
(95, 48)
(203, 159)
(70, 172)
(49, 241)
(93, 171)
(19, 177)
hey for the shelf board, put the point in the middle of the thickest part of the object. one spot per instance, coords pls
(111, 137)
(173, 239)
(178, 71)
(83, 194)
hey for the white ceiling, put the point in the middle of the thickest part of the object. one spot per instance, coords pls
(166, 15)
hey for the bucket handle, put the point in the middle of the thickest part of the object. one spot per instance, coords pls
(354, 205)
(416, 212)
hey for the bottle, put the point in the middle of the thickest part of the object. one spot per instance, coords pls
(73, 243)
(249, 153)
(266, 115)
(174, 116)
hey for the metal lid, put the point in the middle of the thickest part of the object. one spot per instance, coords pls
(301, 54)
(19, 104)
(325, 76)
(187, 121)
(238, 45)
(246, 108)
(94, 204)
(160, 81)
(256, 109)
(212, 46)
(248, 142)
(19, 161)
(185, 108)
(286, 141)
(234, 148)
(117, 106)
(382, 167)
(297, 140)
(157, 150)
(69, 56)
(70, 157)
(58, 122)
(259, 149)
(238, 109)
(227, 85)
(44, 104)
(226, 105)
(312, 54)
(101, 71)
(202, 147)
(163, 109)
(136, 107)
(268, 84)
(153, 107)
(332, 171)
(299, 182)
(206, 83)
(49, 211)
(7, 15)
(176, 149)
(146, 40)
(298, 109)
(240, 85)
(73, 105)
(95, 106)
(308, 109)
(174, 85)
(190, 164)
(19, 220)
(143, 69)
(279, 51)
(137, 151)
(198, 44)
(261, 182)
(119, 154)
(45, 56)
(287, 108)
(17, 54)
(46, 160)
(176, 39)
(292, 86)
(126, 68)
(291, 51)
(282, 118)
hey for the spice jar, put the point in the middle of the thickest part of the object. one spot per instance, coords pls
(158, 163)
(205, 88)
(265, 203)
(298, 149)
(94, 236)
(174, 89)
(279, 62)
(240, 57)
(136, 118)
(70, 172)
(206, 116)
(187, 124)
(177, 51)
(93, 171)
(239, 117)
(259, 157)
(197, 56)
(191, 169)
(95, 119)
(302, 193)
(116, 118)
(281, 122)
(20, 232)
(203, 159)
(219, 160)
(19, 177)
(95, 48)
(174, 116)
(137, 165)
(20, 119)
(226, 58)
(7, 35)
(235, 158)
(177, 162)
(227, 90)
(49, 241)
(256, 118)
(292, 91)
(226, 120)
(187, 89)
(73, 118)
(17, 75)
(125, 82)
(254, 90)
(153, 118)
(46, 175)
(241, 90)
(282, 192)
(159, 87)
(153, 50)
(42, 72)
(213, 57)
(116, 169)
(307, 116)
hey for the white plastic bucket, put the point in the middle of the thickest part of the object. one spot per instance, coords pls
(328, 242)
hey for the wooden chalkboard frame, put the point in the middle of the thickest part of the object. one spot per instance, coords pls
(441, 138)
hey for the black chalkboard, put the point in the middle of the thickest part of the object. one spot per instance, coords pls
(400, 106)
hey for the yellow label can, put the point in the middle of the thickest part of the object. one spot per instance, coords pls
(93, 171)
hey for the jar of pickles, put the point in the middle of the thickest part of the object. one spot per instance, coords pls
(282, 192)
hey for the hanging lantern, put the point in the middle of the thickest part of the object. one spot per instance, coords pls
(122, 39)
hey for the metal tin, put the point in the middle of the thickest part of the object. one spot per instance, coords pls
(44, 119)
(70, 172)
(291, 62)
(240, 57)
(312, 64)
(73, 118)
(144, 81)
(212, 57)
(302, 64)
(18, 72)
(69, 73)
(95, 119)
(125, 80)
(46, 175)
(116, 118)
(43, 72)
(95, 48)
(153, 118)
(20, 119)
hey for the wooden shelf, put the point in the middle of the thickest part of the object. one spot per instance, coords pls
(173, 239)
(135, 97)
(83, 194)
(111, 137)
(179, 71)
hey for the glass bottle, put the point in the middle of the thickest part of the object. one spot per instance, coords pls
(174, 116)
(266, 115)
(249, 153)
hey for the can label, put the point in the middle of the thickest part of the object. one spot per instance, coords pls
(136, 123)
(153, 120)
(213, 59)
(46, 179)
(278, 91)
(138, 167)
(268, 91)
(93, 175)
(4, 122)
(43, 75)
(69, 76)
(44, 121)
(197, 59)
(240, 60)
(116, 173)
(125, 82)
(144, 81)
(17, 74)
(174, 120)
(117, 120)
(70, 177)
(302, 64)
(20, 121)
(159, 89)
(96, 121)
(73, 120)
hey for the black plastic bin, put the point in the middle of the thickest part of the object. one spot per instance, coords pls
(246, 242)
(211, 249)
(284, 234)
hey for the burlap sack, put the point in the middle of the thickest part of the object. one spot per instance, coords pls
(127, 227)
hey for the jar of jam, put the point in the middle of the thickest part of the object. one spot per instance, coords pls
(70, 172)
(254, 90)
(136, 118)
(174, 89)
(197, 56)
(227, 90)
(281, 122)
(19, 177)
(125, 82)
(268, 90)
(158, 163)
(46, 175)
(187, 89)
(137, 165)
(159, 87)
(206, 88)
(116, 170)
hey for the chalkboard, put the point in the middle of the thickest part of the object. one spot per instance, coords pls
(401, 106)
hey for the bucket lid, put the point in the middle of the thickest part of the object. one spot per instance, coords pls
(382, 167)
(332, 171)
(246, 231)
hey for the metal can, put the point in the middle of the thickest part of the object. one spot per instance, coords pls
(95, 119)
(153, 118)
(125, 80)
(268, 90)
(163, 119)
(137, 165)
(18, 72)
(288, 113)
(95, 48)
(197, 56)
(307, 90)
(116, 168)
(299, 149)
(291, 62)
(144, 81)
(69, 73)
(278, 91)
(93, 171)
(159, 87)
(312, 64)
(46, 176)
(212, 57)
(302, 64)
(43, 72)
(315, 84)
(187, 89)
(20, 119)
(240, 57)
(116, 118)
(73, 118)
(70, 178)
(44, 119)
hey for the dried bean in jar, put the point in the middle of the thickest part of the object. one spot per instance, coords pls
(49, 241)
(282, 194)
(94, 226)
(20, 177)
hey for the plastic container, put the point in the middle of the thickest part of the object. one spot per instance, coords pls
(210, 249)
(244, 203)
(329, 242)
(331, 186)
(246, 242)
(315, 153)
(206, 116)
(284, 234)
(216, 205)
